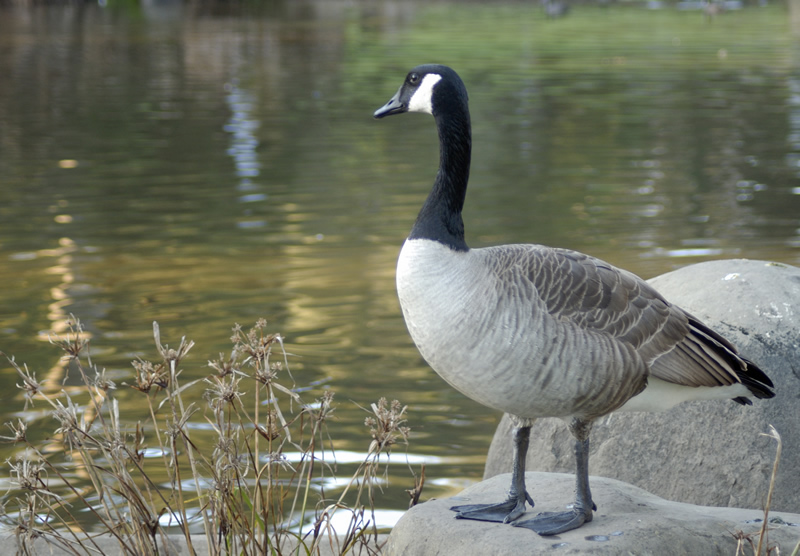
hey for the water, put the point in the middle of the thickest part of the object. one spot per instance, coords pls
(213, 164)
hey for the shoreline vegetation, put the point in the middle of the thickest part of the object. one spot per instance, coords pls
(246, 496)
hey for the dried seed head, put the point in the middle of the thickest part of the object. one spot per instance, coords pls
(149, 375)
(171, 357)
(225, 367)
(224, 390)
(75, 429)
(103, 383)
(29, 385)
(326, 408)
(18, 430)
(74, 341)
(387, 424)
(27, 474)
(255, 344)
(267, 375)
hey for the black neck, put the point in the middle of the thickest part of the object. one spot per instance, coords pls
(440, 217)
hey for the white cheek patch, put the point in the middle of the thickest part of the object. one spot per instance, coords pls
(421, 101)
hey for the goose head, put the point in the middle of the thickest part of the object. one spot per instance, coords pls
(438, 90)
(430, 89)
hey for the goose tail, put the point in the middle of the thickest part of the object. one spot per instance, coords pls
(748, 373)
(756, 381)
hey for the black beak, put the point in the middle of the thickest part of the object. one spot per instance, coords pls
(394, 106)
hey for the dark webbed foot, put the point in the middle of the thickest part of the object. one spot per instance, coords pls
(514, 506)
(503, 512)
(553, 523)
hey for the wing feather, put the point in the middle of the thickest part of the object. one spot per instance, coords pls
(595, 295)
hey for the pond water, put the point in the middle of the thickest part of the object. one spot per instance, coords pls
(203, 165)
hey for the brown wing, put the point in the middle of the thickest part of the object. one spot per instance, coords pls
(595, 295)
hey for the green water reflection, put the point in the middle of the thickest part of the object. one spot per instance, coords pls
(201, 166)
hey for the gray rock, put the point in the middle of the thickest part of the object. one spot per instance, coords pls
(708, 453)
(628, 521)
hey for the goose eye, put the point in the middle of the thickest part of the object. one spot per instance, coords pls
(413, 78)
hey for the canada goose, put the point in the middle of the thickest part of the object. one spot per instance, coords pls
(535, 331)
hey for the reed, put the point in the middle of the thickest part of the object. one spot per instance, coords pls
(244, 494)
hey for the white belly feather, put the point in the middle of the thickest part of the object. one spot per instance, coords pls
(491, 338)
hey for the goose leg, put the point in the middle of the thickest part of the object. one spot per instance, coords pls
(553, 523)
(514, 505)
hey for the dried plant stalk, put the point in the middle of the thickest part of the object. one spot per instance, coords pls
(244, 490)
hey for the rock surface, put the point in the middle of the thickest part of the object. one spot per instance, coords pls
(708, 453)
(628, 521)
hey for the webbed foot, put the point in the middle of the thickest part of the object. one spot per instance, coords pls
(553, 523)
(503, 512)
